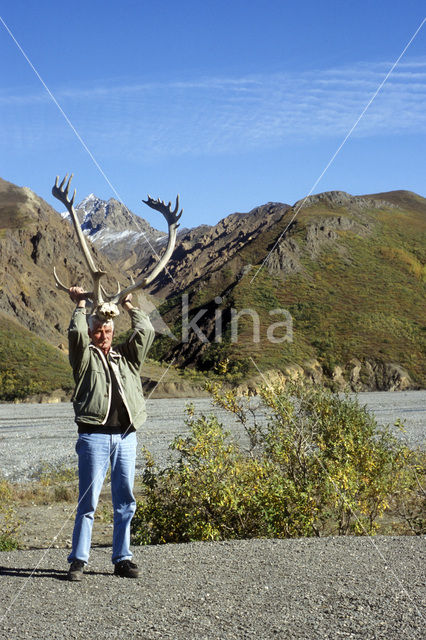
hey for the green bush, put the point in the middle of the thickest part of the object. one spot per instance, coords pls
(318, 465)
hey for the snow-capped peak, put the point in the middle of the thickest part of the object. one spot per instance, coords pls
(88, 199)
(86, 203)
(112, 227)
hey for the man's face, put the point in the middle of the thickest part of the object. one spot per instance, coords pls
(101, 336)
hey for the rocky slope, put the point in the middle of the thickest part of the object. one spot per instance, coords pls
(206, 249)
(34, 239)
(349, 270)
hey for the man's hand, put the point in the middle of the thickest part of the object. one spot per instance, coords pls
(78, 295)
(126, 303)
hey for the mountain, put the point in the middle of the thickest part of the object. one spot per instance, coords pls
(206, 249)
(331, 288)
(120, 234)
(34, 239)
(134, 245)
(29, 365)
(346, 275)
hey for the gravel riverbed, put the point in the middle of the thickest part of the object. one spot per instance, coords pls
(33, 434)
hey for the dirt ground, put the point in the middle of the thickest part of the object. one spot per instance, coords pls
(51, 525)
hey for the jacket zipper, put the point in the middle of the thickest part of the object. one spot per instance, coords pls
(114, 366)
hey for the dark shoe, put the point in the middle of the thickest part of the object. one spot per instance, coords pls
(75, 572)
(126, 569)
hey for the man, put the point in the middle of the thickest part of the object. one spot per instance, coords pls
(109, 406)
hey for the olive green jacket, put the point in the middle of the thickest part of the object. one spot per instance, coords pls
(92, 394)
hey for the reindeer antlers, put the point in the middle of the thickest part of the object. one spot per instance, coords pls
(167, 212)
(61, 194)
(106, 306)
(172, 218)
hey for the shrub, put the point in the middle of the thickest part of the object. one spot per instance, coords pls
(316, 464)
(55, 483)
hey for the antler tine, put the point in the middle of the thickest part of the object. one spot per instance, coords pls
(175, 210)
(60, 285)
(107, 296)
(61, 193)
(172, 218)
(67, 188)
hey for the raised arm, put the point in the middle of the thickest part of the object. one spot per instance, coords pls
(78, 337)
(136, 347)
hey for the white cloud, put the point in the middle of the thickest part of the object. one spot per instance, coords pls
(221, 115)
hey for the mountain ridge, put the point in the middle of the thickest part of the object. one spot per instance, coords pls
(349, 270)
(341, 271)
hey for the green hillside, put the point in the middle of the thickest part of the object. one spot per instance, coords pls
(28, 364)
(359, 294)
(367, 306)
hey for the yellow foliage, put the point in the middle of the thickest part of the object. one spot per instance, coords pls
(408, 260)
(318, 465)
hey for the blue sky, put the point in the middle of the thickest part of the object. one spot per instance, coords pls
(232, 104)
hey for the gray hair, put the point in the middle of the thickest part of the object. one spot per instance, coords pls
(95, 321)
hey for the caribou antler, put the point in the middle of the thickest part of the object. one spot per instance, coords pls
(105, 305)
(88, 294)
(172, 218)
(61, 193)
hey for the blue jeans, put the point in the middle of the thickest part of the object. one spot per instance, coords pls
(95, 453)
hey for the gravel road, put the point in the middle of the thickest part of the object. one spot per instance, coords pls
(31, 434)
(311, 589)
